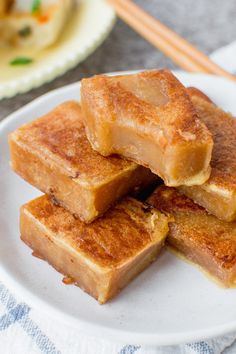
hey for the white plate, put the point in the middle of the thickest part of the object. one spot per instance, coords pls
(171, 302)
(88, 27)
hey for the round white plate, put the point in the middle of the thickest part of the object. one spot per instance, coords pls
(169, 303)
(88, 26)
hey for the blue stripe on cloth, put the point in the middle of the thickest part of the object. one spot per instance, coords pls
(201, 348)
(43, 342)
(129, 349)
(19, 313)
(6, 298)
(13, 316)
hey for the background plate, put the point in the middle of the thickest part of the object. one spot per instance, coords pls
(89, 25)
(169, 303)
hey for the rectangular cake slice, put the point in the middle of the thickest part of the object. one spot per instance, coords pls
(148, 118)
(53, 154)
(199, 236)
(218, 193)
(101, 257)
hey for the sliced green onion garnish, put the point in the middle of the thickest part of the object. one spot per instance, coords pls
(21, 61)
(36, 6)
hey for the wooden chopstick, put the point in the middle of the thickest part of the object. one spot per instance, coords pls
(175, 47)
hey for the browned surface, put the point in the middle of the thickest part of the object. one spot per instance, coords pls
(193, 91)
(51, 150)
(174, 115)
(197, 235)
(60, 135)
(86, 200)
(223, 173)
(102, 257)
(223, 128)
(167, 120)
(168, 200)
(122, 232)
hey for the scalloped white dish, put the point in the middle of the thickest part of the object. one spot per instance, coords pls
(169, 303)
(87, 28)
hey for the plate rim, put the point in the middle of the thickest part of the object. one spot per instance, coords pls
(86, 327)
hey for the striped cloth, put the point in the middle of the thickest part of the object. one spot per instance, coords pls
(24, 330)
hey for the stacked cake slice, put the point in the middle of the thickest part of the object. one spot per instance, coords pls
(205, 233)
(53, 154)
(87, 162)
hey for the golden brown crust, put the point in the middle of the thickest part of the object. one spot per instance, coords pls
(193, 91)
(103, 257)
(109, 241)
(222, 126)
(132, 115)
(175, 117)
(218, 193)
(194, 227)
(168, 200)
(54, 155)
(60, 136)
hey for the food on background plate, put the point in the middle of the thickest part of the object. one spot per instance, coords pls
(53, 154)
(33, 23)
(101, 257)
(5, 6)
(199, 236)
(149, 118)
(218, 193)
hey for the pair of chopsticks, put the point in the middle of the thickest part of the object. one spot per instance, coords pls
(170, 43)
